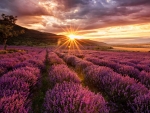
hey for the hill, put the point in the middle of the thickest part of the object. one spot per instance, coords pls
(88, 42)
(84, 44)
(33, 37)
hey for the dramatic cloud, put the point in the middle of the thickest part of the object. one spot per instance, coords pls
(91, 16)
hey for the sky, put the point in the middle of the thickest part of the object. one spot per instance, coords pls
(110, 21)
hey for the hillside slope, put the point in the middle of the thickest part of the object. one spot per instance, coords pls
(34, 37)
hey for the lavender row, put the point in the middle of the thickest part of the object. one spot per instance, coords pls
(143, 77)
(121, 90)
(141, 61)
(11, 55)
(54, 59)
(36, 61)
(77, 63)
(141, 104)
(69, 97)
(16, 87)
(59, 73)
(14, 98)
(121, 57)
(21, 49)
(7, 64)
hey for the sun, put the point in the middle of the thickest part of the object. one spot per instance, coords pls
(73, 37)
(71, 40)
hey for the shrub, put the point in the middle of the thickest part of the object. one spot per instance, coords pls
(23, 74)
(12, 85)
(14, 104)
(129, 70)
(144, 78)
(54, 59)
(73, 98)
(141, 104)
(119, 89)
(60, 73)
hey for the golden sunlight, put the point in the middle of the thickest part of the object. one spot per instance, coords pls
(73, 37)
(71, 41)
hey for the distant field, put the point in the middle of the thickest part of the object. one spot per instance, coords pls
(132, 49)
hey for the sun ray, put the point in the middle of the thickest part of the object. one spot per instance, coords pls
(78, 48)
(71, 41)
(65, 43)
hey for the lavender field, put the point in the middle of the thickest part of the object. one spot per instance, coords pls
(42, 80)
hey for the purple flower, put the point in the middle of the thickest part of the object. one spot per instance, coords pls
(119, 89)
(11, 85)
(73, 98)
(14, 104)
(129, 70)
(144, 78)
(24, 74)
(54, 59)
(60, 73)
(141, 104)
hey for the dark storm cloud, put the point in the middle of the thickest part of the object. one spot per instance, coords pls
(91, 14)
(101, 13)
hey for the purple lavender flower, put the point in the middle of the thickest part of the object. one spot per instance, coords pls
(119, 89)
(60, 73)
(141, 104)
(73, 98)
(76, 62)
(144, 78)
(12, 85)
(24, 74)
(54, 59)
(143, 67)
(14, 104)
(129, 70)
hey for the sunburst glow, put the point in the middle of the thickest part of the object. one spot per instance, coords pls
(72, 42)
(73, 37)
